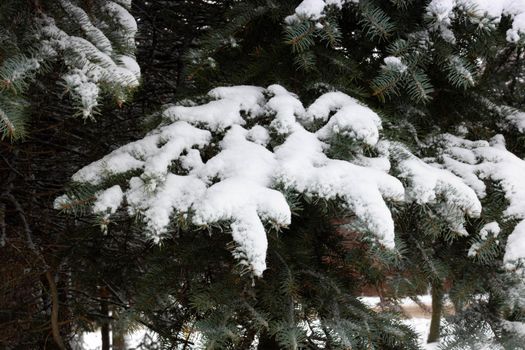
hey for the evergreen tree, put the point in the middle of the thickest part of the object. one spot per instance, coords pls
(436, 66)
(58, 59)
(250, 217)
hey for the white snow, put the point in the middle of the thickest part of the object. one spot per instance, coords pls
(426, 183)
(216, 115)
(249, 98)
(130, 64)
(491, 227)
(246, 203)
(286, 107)
(158, 202)
(259, 135)
(146, 153)
(108, 200)
(314, 9)
(514, 327)
(310, 8)
(515, 244)
(517, 119)
(123, 17)
(92, 60)
(305, 168)
(477, 161)
(355, 121)
(326, 103)
(395, 63)
(485, 12)
(95, 35)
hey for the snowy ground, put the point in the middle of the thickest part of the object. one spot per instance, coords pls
(93, 340)
(421, 325)
(420, 321)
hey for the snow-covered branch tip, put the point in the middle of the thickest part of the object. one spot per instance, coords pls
(94, 47)
(486, 14)
(440, 14)
(479, 161)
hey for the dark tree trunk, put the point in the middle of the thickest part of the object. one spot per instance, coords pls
(437, 310)
(104, 329)
(267, 342)
(118, 335)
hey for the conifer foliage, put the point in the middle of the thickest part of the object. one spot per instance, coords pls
(95, 44)
(310, 148)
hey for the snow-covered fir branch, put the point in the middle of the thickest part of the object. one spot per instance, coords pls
(231, 159)
(94, 46)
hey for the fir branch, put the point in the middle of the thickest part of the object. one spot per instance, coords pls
(376, 22)
(300, 35)
(419, 86)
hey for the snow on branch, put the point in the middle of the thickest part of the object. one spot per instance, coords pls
(426, 183)
(486, 13)
(93, 60)
(479, 161)
(231, 160)
(94, 44)
(314, 9)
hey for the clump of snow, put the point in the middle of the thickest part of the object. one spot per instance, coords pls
(515, 327)
(305, 168)
(395, 64)
(355, 121)
(478, 161)
(250, 98)
(286, 107)
(326, 103)
(515, 249)
(441, 12)
(223, 112)
(314, 9)
(61, 202)
(310, 8)
(427, 183)
(491, 227)
(108, 200)
(259, 135)
(517, 120)
(146, 153)
(486, 13)
(180, 173)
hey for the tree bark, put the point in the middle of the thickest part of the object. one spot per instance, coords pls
(119, 340)
(104, 329)
(267, 342)
(437, 310)
(55, 329)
